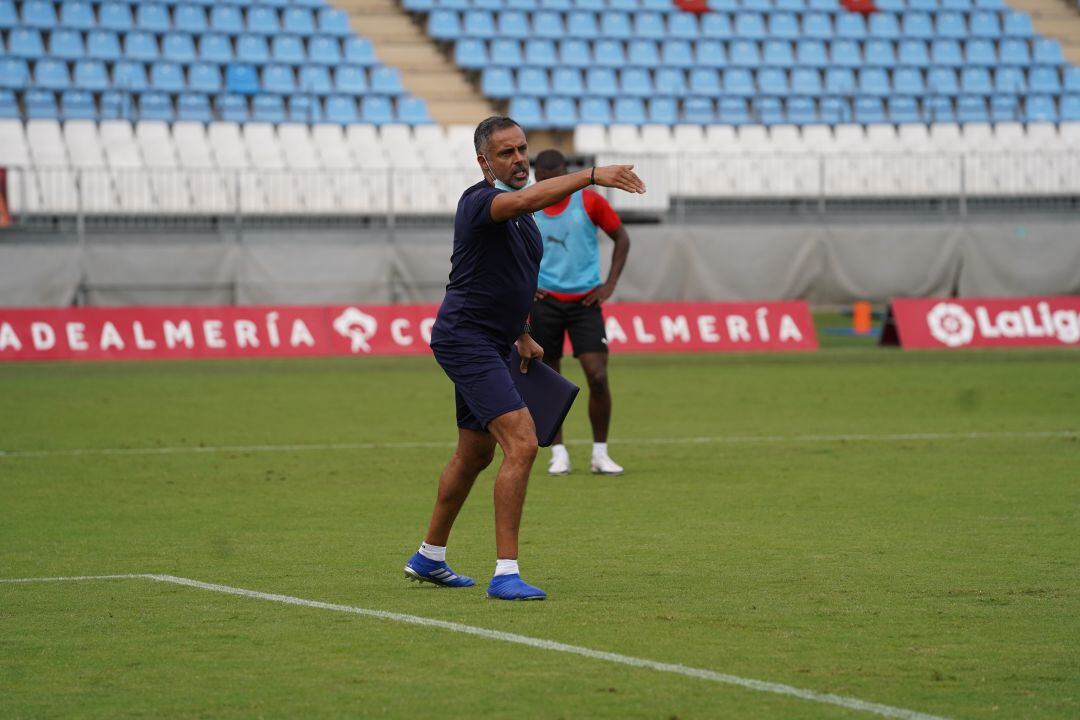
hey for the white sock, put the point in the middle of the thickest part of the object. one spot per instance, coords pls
(433, 552)
(559, 452)
(506, 567)
(599, 448)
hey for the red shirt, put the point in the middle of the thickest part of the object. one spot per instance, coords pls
(597, 208)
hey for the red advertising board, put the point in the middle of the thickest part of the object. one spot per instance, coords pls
(987, 322)
(291, 331)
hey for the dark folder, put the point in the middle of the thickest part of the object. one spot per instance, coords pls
(546, 393)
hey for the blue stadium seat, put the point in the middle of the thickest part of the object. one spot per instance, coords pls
(805, 81)
(942, 81)
(454, 4)
(324, 50)
(8, 107)
(744, 53)
(614, 25)
(629, 111)
(1040, 108)
(215, 48)
(975, 81)
(1044, 81)
(334, 22)
(938, 109)
(278, 79)
(601, 82)
(990, 4)
(594, 111)
(567, 81)
(1009, 81)
(662, 110)
(116, 105)
(778, 53)
(980, 52)
(9, 18)
(1005, 108)
(869, 110)
(152, 17)
(287, 49)
(1017, 24)
(678, 53)
(1047, 51)
(193, 107)
(497, 82)
(984, 24)
(375, 109)
(89, 75)
(471, 54)
(252, 49)
(262, 20)
(533, 81)
(513, 24)
(670, 81)
(683, 26)
(505, 52)
(66, 44)
(581, 24)
(350, 80)
(811, 53)
(874, 82)
(609, 53)
(817, 26)
(717, 26)
(650, 25)
(913, 53)
(850, 26)
(845, 53)
(1070, 108)
(38, 14)
(908, 81)
(51, 74)
(709, 53)
(917, 25)
(494, 5)
(305, 109)
(884, 25)
(1013, 51)
(643, 53)
(155, 106)
(478, 24)
(946, 53)
(548, 25)
(801, 111)
(40, 105)
(315, 79)
(25, 43)
(115, 16)
(950, 25)
(768, 110)
(732, 111)
(772, 81)
(625, 5)
(140, 45)
(903, 110)
(705, 82)
(74, 14)
(971, 109)
(879, 53)
(360, 51)
(268, 109)
(574, 53)
(204, 77)
(1070, 81)
(635, 82)
(386, 81)
(441, 25)
(226, 19)
(14, 73)
(167, 77)
(699, 111)
(791, 5)
(301, 21)
(750, 26)
(527, 112)
(130, 75)
(923, 5)
(784, 26)
(178, 47)
(739, 82)
(839, 81)
(561, 112)
(342, 110)
(241, 79)
(191, 19)
(232, 108)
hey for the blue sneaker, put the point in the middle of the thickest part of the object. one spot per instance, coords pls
(422, 569)
(512, 587)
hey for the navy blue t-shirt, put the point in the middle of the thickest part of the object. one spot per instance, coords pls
(493, 272)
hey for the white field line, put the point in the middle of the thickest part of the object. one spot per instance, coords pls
(703, 440)
(843, 701)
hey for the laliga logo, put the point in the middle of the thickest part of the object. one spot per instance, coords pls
(357, 326)
(950, 324)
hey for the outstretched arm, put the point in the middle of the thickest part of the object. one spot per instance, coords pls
(548, 192)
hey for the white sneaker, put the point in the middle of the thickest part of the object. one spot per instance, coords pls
(559, 465)
(604, 465)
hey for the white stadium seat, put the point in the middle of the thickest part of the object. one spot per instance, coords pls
(49, 155)
(590, 139)
(210, 190)
(96, 191)
(169, 184)
(135, 193)
(231, 155)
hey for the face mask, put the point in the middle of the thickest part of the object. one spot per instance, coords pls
(500, 184)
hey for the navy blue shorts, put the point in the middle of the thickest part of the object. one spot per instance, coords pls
(483, 386)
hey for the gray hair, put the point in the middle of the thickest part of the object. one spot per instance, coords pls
(485, 129)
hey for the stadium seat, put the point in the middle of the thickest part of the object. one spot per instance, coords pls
(140, 45)
(1044, 80)
(507, 53)
(252, 49)
(268, 109)
(155, 106)
(315, 79)
(699, 111)
(811, 53)
(190, 19)
(1040, 108)
(178, 47)
(324, 51)
(568, 82)
(527, 111)
(600, 82)
(879, 53)
(374, 109)
(226, 19)
(386, 80)
(609, 53)
(662, 110)
(152, 17)
(595, 111)
(739, 82)
(629, 111)
(548, 25)
(241, 79)
(232, 108)
(705, 82)
(66, 44)
(167, 77)
(679, 53)
(333, 21)
(194, 107)
(561, 112)
(301, 21)
(115, 16)
(51, 74)
(709, 53)
(305, 109)
(644, 53)
(215, 48)
(204, 78)
(1046, 51)
(38, 14)
(88, 75)
(277, 79)
(670, 82)
(359, 51)
(25, 43)
(77, 105)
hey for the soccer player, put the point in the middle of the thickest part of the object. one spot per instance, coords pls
(494, 268)
(569, 299)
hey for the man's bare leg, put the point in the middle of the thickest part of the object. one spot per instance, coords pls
(474, 452)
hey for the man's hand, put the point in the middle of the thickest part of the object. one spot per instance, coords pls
(599, 295)
(622, 177)
(528, 350)
(539, 295)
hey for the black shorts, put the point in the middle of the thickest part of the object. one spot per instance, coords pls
(552, 319)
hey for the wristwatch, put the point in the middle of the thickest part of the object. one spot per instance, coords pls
(526, 328)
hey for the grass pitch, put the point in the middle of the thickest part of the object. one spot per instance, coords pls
(801, 540)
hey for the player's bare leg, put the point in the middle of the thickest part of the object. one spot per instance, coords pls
(595, 366)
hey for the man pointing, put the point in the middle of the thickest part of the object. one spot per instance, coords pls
(493, 276)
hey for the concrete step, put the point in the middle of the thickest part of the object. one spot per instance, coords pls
(412, 56)
(459, 112)
(440, 84)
